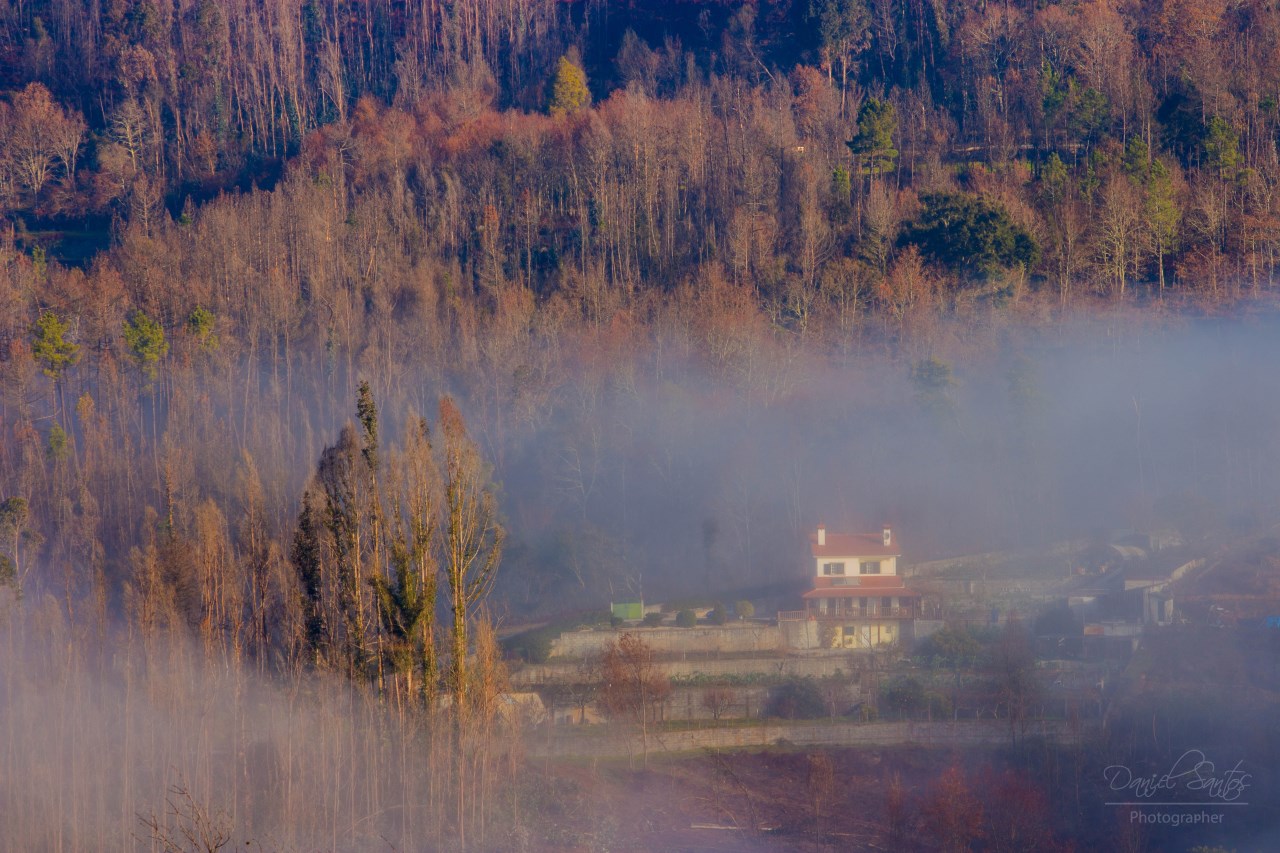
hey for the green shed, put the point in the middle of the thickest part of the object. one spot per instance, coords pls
(630, 610)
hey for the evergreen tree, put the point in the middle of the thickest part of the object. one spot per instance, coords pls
(145, 339)
(200, 324)
(52, 351)
(1222, 148)
(842, 32)
(367, 413)
(872, 146)
(405, 609)
(970, 234)
(305, 557)
(50, 346)
(344, 518)
(1163, 216)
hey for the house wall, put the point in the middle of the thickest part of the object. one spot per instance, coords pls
(811, 634)
(888, 565)
(865, 635)
(852, 607)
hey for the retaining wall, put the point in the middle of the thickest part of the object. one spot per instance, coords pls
(823, 666)
(709, 639)
(621, 743)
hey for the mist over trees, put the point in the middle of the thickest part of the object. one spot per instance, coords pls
(334, 332)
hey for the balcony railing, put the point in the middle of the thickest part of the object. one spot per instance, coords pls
(902, 612)
(878, 612)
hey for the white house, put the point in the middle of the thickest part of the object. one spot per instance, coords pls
(858, 598)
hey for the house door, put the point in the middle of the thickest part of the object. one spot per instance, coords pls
(866, 637)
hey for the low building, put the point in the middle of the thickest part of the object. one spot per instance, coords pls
(630, 611)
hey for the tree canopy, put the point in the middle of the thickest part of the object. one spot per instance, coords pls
(50, 346)
(569, 92)
(146, 341)
(872, 145)
(970, 234)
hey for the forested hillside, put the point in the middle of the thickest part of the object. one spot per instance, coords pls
(334, 331)
(801, 146)
(220, 218)
(600, 226)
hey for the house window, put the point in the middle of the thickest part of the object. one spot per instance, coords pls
(862, 606)
(869, 567)
(886, 603)
(833, 568)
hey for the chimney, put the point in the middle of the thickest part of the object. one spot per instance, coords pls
(822, 534)
(888, 536)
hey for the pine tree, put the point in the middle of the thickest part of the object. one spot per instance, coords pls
(306, 557)
(50, 346)
(872, 146)
(51, 349)
(1163, 215)
(1222, 149)
(145, 339)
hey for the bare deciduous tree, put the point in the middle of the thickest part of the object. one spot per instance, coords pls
(634, 687)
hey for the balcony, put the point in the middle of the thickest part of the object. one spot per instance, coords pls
(876, 612)
(848, 614)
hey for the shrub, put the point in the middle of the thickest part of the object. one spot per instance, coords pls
(745, 609)
(903, 696)
(951, 647)
(686, 619)
(653, 620)
(718, 615)
(532, 646)
(797, 699)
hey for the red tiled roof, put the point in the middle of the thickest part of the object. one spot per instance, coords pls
(860, 592)
(854, 545)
